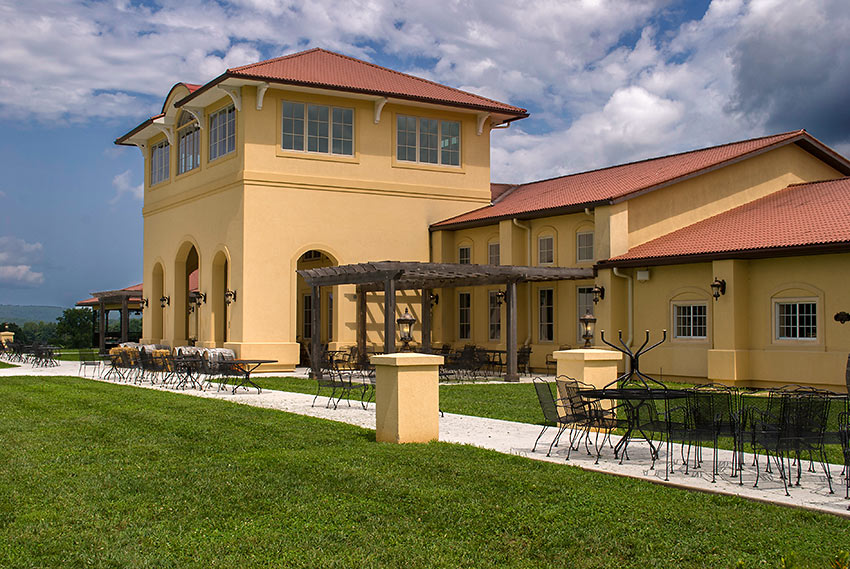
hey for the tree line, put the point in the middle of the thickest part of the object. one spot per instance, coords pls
(71, 330)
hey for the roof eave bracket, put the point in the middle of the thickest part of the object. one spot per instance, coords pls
(379, 106)
(482, 118)
(235, 94)
(198, 113)
(261, 94)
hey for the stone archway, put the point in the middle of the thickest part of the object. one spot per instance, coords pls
(313, 259)
(186, 265)
(218, 302)
(157, 330)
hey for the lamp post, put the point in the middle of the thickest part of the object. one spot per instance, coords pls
(588, 322)
(405, 327)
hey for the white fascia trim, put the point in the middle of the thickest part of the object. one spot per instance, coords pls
(164, 125)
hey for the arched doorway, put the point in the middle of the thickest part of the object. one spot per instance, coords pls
(185, 281)
(314, 259)
(217, 300)
(157, 330)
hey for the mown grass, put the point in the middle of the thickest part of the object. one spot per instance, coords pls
(5, 365)
(103, 475)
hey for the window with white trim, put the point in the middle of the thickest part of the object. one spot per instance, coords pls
(494, 316)
(546, 310)
(160, 160)
(222, 132)
(690, 320)
(546, 250)
(464, 315)
(329, 130)
(188, 144)
(796, 320)
(584, 304)
(493, 253)
(464, 255)
(427, 141)
(584, 246)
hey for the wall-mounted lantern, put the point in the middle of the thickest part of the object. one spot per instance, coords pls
(842, 317)
(500, 297)
(229, 297)
(718, 287)
(435, 299)
(164, 301)
(145, 302)
(588, 323)
(405, 327)
(598, 293)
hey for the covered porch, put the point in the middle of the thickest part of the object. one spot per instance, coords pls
(393, 276)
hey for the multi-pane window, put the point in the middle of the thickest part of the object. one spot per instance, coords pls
(584, 246)
(546, 250)
(546, 305)
(222, 132)
(691, 320)
(464, 315)
(308, 316)
(312, 255)
(428, 141)
(584, 304)
(493, 253)
(796, 320)
(329, 130)
(160, 158)
(464, 255)
(188, 144)
(495, 315)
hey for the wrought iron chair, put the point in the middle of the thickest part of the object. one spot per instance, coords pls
(556, 413)
(89, 359)
(709, 415)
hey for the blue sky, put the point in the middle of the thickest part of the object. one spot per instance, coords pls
(606, 82)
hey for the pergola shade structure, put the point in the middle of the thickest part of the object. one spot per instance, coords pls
(392, 276)
(126, 300)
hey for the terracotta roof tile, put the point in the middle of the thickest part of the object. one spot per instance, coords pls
(322, 68)
(800, 215)
(616, 182)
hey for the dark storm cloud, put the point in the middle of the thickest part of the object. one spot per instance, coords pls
(792, 70)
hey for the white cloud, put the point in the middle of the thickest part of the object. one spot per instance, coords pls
(2, 194)
(608, 81)
(16, 261)
(123, 186)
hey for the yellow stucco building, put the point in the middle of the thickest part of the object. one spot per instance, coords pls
(318, 159)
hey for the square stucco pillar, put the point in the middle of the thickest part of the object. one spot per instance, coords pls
(595, 367)
(407, 397)
(728, 359)
(7, 337)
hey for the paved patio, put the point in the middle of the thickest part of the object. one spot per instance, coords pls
(517, 439)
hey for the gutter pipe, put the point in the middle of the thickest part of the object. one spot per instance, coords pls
(630, 299)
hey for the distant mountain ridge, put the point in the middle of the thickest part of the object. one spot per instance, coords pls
(20, 314)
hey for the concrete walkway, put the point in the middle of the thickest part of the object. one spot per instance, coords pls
(517, 439)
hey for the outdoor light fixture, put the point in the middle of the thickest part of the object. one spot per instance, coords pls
(197, 298)
(405, 328)
(500, 297)
(598, 293)
(435, 299)
(145, 302)
(588, 322)
(718, 287)
(842, 317)
(229, 296)
(164, 301)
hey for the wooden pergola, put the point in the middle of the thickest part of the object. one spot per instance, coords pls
(392, 276)
(125, 300)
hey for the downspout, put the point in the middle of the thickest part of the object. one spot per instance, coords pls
(630, 300)
(528, 260)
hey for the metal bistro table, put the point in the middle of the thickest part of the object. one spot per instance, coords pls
(638, 403)
(245, 369)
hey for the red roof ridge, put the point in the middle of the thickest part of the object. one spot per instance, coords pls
(376, 66)
(674, 155)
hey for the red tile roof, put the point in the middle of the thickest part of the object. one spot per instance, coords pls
(801, 215)
(615, 183)
(326, 69)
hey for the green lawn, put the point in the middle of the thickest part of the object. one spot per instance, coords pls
(4, 365)
(103, 475)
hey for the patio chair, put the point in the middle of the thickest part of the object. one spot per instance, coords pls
(523, 359)
(844, 439)
(556, 413)
(709, 414)
(89, 359)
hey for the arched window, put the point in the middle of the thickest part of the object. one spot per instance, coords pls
(188, 143)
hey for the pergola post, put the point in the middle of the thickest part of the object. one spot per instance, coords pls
(511, 337)
(101, 341)
(361, 321)
(389, 316)
(426, 320)
(125, 319)
(316, 331)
